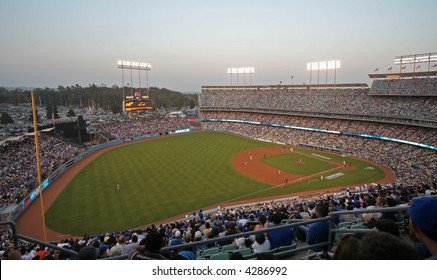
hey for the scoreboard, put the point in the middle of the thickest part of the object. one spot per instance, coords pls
(138, 105)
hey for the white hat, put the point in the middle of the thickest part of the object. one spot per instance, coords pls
(198, 234)
(177, 234)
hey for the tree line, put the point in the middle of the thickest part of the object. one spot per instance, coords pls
(95, 97)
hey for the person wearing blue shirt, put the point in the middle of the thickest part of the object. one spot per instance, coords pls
(201, 214)
(319, 231)
(282, 237)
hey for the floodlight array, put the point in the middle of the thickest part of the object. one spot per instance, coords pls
(243, 70)
(415, 58)
(133, 65)
(323, 65)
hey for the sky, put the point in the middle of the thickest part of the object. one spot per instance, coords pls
(191, 43)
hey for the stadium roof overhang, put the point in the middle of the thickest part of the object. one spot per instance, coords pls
(42, 130)
(281, 86)
(11, 139)
(403, 75)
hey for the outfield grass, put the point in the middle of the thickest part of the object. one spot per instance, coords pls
(165, 177)
(158, 179)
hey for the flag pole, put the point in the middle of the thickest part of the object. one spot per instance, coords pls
(38, 165)
(53, 120)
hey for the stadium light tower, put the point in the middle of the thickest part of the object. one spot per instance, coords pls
(244, 71)
(324, 65)
(134, 66)
(414, 59)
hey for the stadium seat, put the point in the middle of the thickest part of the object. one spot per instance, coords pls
(228, 248)
(286, 248)
(358, 226)
(210, 251)
(219, 256)
(344, 224)
(244, 252)
(272, 251)
(251, 256)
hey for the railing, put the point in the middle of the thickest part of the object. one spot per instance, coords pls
(287, 223)
(362, 211)
(15, 237)
(69, 253)
(219, 240)
(293, 223)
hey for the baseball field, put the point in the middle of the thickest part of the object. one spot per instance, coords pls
(147, 182)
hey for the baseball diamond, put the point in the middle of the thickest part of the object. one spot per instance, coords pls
(138, 184)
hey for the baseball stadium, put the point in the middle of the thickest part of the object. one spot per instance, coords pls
(263, 171)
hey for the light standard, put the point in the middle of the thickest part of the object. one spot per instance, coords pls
(134, 66)
(244, 71)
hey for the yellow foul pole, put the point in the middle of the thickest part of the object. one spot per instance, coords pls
(38, 165)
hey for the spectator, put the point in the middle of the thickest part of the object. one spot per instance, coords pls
(236, 256)
(198, 237)
(319, 231)
(242, 242)
(371, 202)
(207, 228)
(262, 222)
(200, 215)
(176, 240)
(116, 250)
(282, 237)
(387, 225)
(232, 229)
(41, 253)
(423, 222)
(131, 247)
(261, 244)
(12, 253)
(374, 246)
(384, 246)
(87, 253)
(150, 247)
(348, 247)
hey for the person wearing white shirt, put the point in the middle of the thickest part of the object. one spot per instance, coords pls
(261, 244)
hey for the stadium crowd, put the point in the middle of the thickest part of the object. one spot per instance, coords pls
(18, 164)
(146, 243)
(330, 101)
(424, 135)
(416, 86)
(140, 126)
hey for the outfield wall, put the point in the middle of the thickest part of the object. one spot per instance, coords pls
(24, 204)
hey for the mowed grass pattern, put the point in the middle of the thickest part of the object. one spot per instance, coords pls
(158, 179)
(166, 177)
